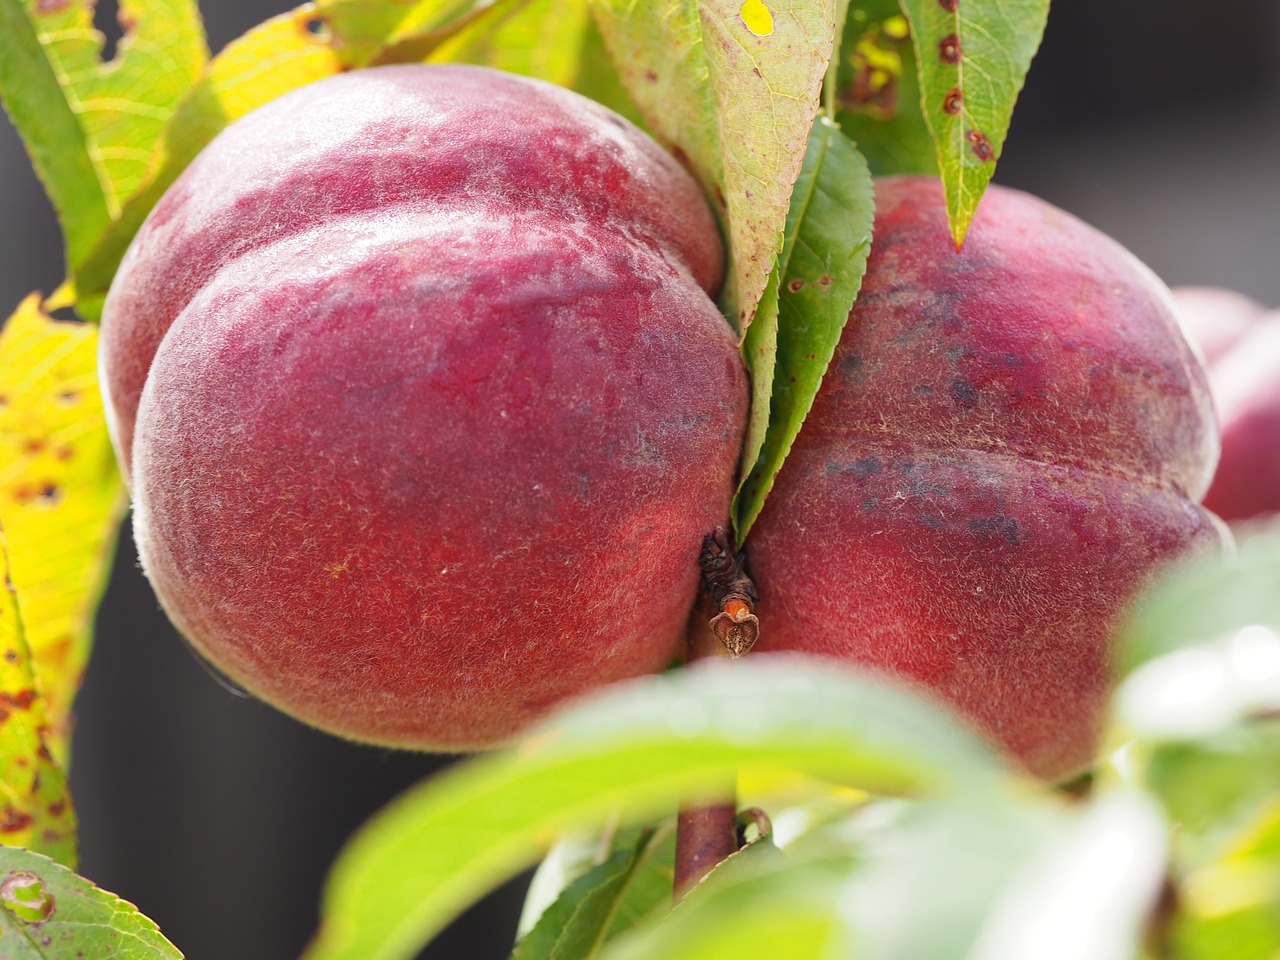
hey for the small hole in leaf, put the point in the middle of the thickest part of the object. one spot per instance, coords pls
(106, 20)
(319, 28)
(756, 17)
(24, 895)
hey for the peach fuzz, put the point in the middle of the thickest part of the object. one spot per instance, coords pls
(425, 402)
(1008, 443)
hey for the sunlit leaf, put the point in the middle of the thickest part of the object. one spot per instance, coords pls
(61, 498)
(823, 258)
(541, 38)
(646, 744)
(35, 806)
(306, 44)
(972, 57)
(878, 91)
(732, 88)
(90, 126)
(48, 913)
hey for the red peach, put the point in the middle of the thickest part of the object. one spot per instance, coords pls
(1009, 440)
(1241, 342)
(426, 403)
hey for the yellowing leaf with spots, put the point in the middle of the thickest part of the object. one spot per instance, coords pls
(732, 88)
(35, 808)
(61, 498)
(972, 57)
(90, 126)
(308, 43)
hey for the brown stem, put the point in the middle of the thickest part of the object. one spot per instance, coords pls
(724, 624)
(704, 837)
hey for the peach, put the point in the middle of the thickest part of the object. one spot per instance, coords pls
(1008, 441)
(1241, 342)
(425, 402)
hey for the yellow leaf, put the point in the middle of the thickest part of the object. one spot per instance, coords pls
(61, 497)
(35, 808)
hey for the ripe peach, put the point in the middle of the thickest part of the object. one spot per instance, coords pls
(425, 403)
(1008, 440)
(1241, 342)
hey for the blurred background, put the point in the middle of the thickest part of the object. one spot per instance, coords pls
(1156, 120)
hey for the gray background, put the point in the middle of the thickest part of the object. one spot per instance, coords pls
(1155, 120)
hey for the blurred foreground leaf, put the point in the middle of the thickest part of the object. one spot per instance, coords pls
(48, 913)
(1231, 904)
(1200, 709)
(61, 498)
(90, 127)
(824, 256)
(1208, 597)
(35, 807)
(972, 57)
(643, 746)
(732, 89)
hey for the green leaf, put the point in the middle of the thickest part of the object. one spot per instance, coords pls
(61, 497)
(306, 44)
(760, 354)
(35, 806)
(1212, 787)
(878, 91)
(732, 89)
(973, 57)
(645, 745)
(1230, 907)
(48, 913)
(770, 911)
(584, 916)
(823, 259)
(541, 38)
(91, 126)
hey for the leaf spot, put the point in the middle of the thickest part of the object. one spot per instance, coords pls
(45, 7)
(11, 821)
(756, 17)
(69, 398)
(949, 48)
(982, 148)
(949, 5)
(824, 281)
(796, 285)
(953, 101)
(50, 494)
(22, 700)
(24, 895)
